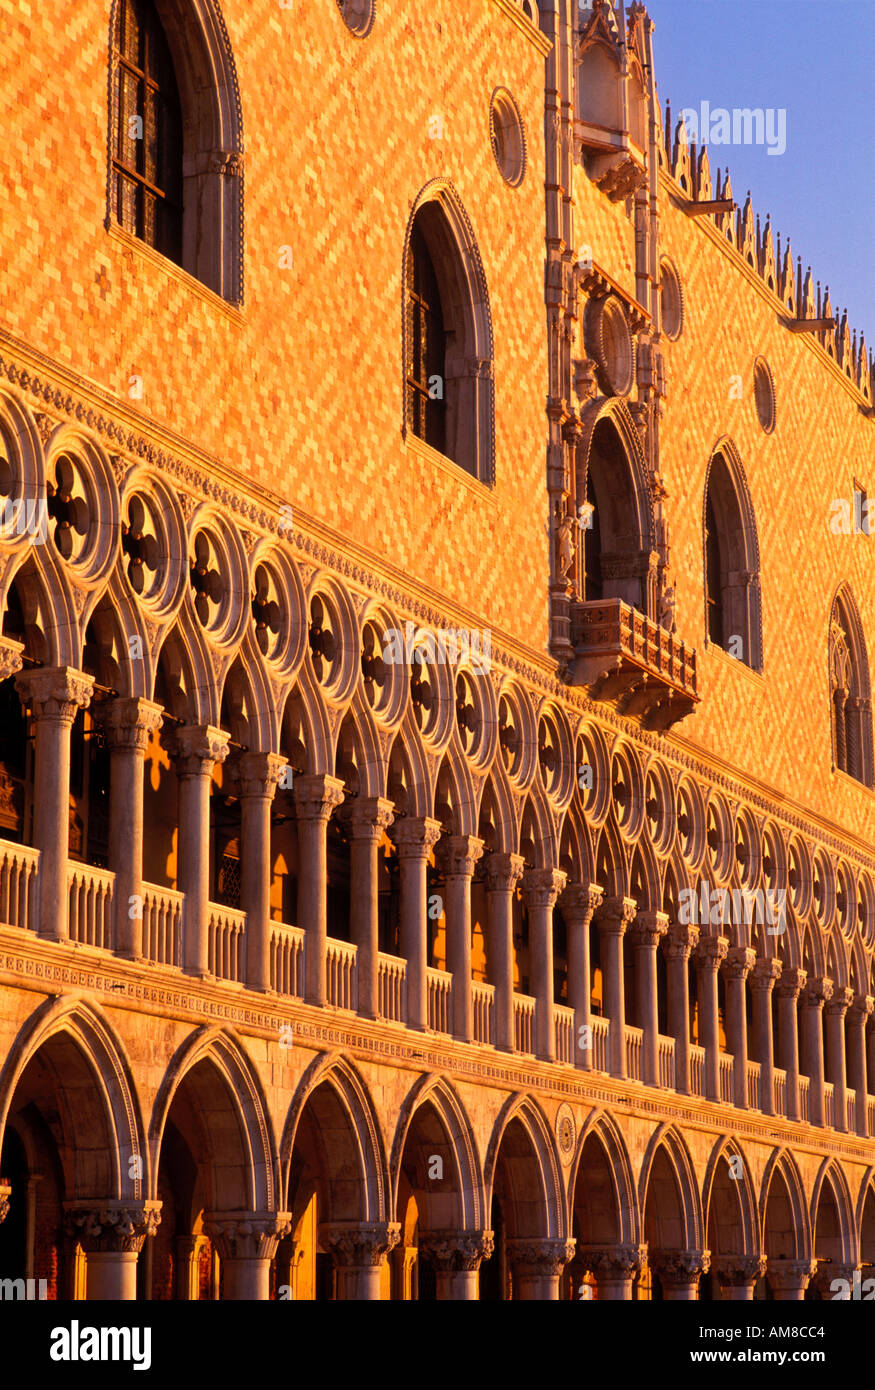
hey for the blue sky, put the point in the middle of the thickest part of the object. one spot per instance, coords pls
(816, 60)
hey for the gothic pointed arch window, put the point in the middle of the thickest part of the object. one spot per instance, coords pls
(447, 333)
(850, 694)
(619, 542)
(176, 138)
(731, 560)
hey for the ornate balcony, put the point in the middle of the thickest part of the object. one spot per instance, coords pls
(625, 657)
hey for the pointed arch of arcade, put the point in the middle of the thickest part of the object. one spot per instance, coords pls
(782, 1164)
(725, 1150)
(72, 1020)
(438, 1093)
(245, 1096)
(363, 1128)
(668, 1139)
(831, 1173)
(601, 1128)
(529, 1115)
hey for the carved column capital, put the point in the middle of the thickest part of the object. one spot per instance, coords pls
(103, 1227)
(10, 657)
(790, 1274)
(613, 1261)
(361, 1244)
(5, 1194)
(365, 818)
(317, 795)
(842, 998)
(766, 973)
(540, 1256)
(414, 837)
(129, 723)
(196, 747)
(55, 692)
(247, 1235)
(541, 887)
(257, 774)
(580, 900)
(456, 1251)
(738, 1270)
(740, 961)
(711, 952)
(614, 915)
(647, 929)
(503, 872)
(680, 1266)
(791, 983)
(681, 940)
(457, 855)
(863, 1006)
(817, 992)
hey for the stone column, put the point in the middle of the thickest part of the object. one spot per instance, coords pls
(365, 819)
(414, 838)
(838, 1006)
(814, 996)
(858, 1017)
(111, 1235)
(187, 1274)
(196, 749)
(614, 1269)
(765, 974)
(788, 989)
(647, 929)
(740, 960)
(127, 728)
(612, 919)
(359, 1249)
(256, 776)
(503, 873)
(578, 903)
(456, 1257)
(316, 796)
(738, 1274)
(246, 1242)
(541, 888)
(55, 696)
(679, 1273)
(537, 1265)
(788, 1279)
(682, 939)
(458, 854)
(710, 953)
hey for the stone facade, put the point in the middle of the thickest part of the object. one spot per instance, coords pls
(406, 889)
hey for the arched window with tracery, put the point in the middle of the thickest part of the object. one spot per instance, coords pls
(733, 618)
(448, 345)
(176, 137)
(850, 696)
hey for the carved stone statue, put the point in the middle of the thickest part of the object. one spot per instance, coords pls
(565, 539)
(667, 608)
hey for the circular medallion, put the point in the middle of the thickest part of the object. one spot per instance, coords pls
(566, 1132)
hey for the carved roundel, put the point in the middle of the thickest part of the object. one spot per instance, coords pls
(610, 341)
(659, 807)
(764, 394)
(718, 837)
(554, 756)
(747, 851)
(566, 1132)
(22, 508)
(627, 791)
(475, 716)
(82, 510)
(672, 299)
(774, 863)
(430, 687)
(508, 136)
(823, 891)
(358, 16)
(592, 765)
(846, 901)
(799, 877)
(152, 545)
(334, 656)
(383, 667)
(691, 823)
(516, 736)
(866, 910)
